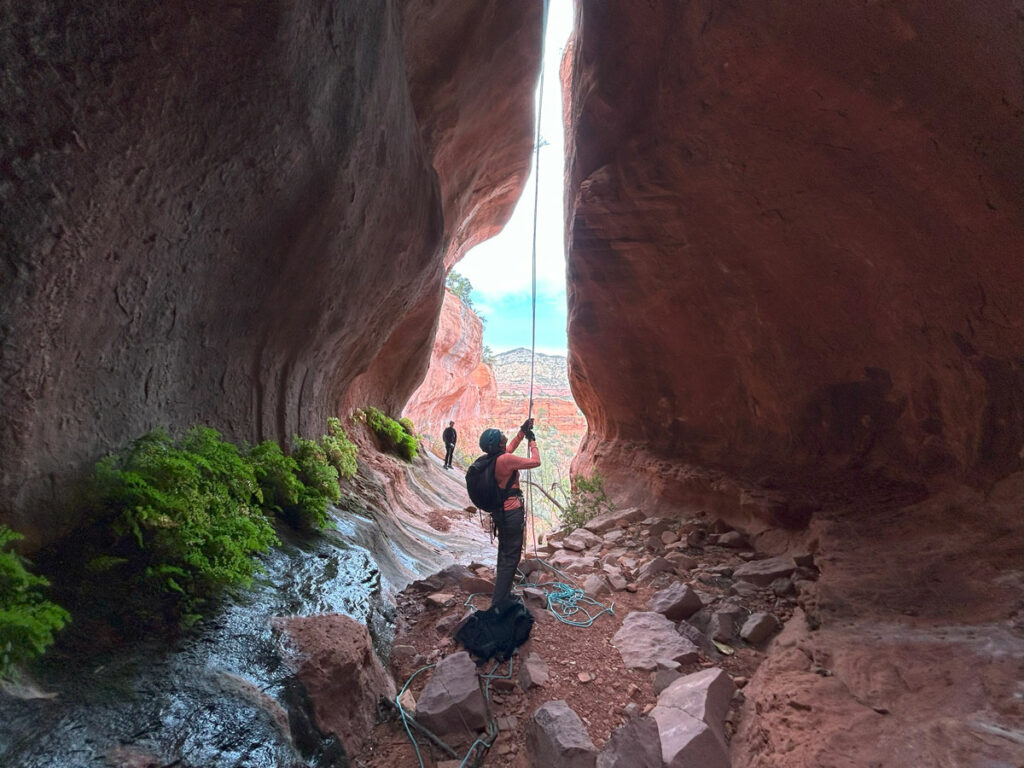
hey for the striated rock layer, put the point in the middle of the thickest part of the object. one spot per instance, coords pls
(237, 214)
(796, 237)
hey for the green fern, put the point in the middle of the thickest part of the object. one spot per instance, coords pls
(28, 620)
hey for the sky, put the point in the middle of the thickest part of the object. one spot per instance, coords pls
(500, 269)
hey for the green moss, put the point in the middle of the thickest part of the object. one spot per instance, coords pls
(28, 620)
(341, 452)
(393, 435)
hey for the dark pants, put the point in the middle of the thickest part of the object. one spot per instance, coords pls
(511, 524)
(449, 449)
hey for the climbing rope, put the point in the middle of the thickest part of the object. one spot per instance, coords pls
(480, 745)
(565, 600)
(533, 260)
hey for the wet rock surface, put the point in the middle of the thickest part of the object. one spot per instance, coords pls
(226, 694)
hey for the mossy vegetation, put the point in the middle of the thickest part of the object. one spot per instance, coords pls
(398, 437)
(586, 501)
(28, 620)
(175, 522)
(178, 521)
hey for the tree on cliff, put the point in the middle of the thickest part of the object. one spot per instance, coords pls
(460, 286)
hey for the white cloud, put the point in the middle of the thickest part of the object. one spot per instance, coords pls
(502, 265)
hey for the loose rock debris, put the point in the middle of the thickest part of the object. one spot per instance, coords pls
(680, 590)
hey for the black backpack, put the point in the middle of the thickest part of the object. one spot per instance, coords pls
(483, 486)
(496, 632)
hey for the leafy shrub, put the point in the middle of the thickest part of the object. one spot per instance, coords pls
(277, 475)
(408, 426)
(182, 521)
(393, 436)
(320, 485)
(27, 619)
(586, 501)
(341, 452)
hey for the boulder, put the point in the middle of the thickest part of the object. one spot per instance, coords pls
(645, 638)
(678, 601)
(617, 582)
(477, 585)
(682, 562)
(764, 572)
(743, 589)
(582, 564)
(733, 540)
(617, 518)
(530, 564)
(581, 539)
(556, 738)
(722, 626)
(452, 700)
(691, 720)
(334, 660)
(595, 585)
(633, 745)
(655, 566)
(705, 695)
(451, 576)
(782, 587)
(697, 637)
(533, 671)
(759, 627)
(532, 593)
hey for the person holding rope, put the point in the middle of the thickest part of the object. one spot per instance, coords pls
(510, 522)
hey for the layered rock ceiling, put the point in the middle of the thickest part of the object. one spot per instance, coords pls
(237, 214)
(797, 238)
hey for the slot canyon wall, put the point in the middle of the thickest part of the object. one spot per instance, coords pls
(797, 231)
(236, 214)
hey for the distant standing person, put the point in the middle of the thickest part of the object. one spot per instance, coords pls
(450, 436)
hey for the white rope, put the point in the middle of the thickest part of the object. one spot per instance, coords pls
(536, 201)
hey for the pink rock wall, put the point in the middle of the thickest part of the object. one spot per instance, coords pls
(796, 231)
(460, 387)
(236, 214)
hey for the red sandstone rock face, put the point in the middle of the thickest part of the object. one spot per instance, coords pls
(917, 659)
(457, 385)
(237, 214)
(460, 387)
(796, 236)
